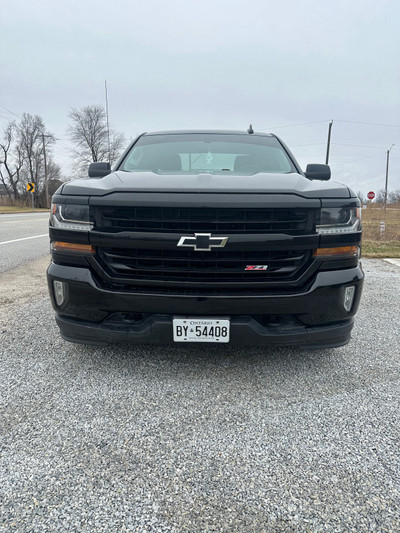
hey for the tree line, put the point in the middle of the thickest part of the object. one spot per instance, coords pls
(393, 197)
(22, 149)
(26, 152)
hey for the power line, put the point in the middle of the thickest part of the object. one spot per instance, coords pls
(335, 120)
(15, 114)
(355, 160)
(292, 125)
(369, 123)
(360, 146)
(340, 144)
(62, 143)
(63, 147)
(301, 145)
(63, 154)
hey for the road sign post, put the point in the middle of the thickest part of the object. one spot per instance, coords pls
(30, 187)
(382, 228)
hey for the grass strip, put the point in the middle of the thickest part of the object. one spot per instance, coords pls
(381, 249)
(10, 209)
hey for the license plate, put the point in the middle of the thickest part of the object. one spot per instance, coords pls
(201, 330)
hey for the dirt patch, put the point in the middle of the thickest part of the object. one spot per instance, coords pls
(22, 284)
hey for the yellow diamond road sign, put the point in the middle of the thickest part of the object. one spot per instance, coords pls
(30, 187)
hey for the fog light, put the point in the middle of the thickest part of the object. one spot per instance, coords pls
(349, 297)
(59, 292)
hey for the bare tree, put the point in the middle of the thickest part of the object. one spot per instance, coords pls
(23, 147)
(32, 141)
(88, 132)
(54, 180)
(394, 197)
(11, 161)
(380, 197)
(362, 197)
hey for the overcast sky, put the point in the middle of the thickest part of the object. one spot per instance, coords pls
(288, 67)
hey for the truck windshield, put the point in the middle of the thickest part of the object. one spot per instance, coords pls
(209, 153)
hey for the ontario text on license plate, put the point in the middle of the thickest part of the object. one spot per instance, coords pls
(201, 330)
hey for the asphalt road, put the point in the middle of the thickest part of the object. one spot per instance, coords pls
(201, 438)
(23, 238)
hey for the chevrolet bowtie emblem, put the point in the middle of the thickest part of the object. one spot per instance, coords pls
(203, 242)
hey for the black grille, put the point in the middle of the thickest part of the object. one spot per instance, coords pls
(216, 266)
(212, 220)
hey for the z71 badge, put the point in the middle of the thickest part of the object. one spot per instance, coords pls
(256, 267)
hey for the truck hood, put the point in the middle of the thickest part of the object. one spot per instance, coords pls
(261, 183)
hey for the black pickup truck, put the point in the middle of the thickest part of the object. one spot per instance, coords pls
(206, 236)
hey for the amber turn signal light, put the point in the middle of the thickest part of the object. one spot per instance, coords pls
(338, 251)
(58, 246)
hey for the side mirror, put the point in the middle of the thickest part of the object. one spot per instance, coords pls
(99, 170)
(316, 171)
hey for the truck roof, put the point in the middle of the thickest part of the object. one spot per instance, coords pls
(220, 132)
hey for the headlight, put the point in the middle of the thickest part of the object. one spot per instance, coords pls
(70, 217)
(339, 220)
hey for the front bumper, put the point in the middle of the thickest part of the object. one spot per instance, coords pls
(314, 317)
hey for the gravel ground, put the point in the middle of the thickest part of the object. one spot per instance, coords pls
(202, 439)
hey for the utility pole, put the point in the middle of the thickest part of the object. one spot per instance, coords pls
(108, 124)
(387, 175)
(328, 144)
(386, 188)
(46, 182)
